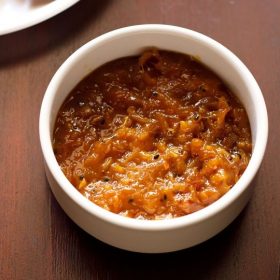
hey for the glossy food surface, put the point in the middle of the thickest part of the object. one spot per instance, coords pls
(153, 136)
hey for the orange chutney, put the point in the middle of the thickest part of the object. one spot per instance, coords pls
(153, 136)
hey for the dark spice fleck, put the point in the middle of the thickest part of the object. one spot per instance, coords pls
(106, 179)
(164, 198)
(81, 177)
(157, 135)
(102, 121)
(156, 156)
(196, 116)
(202, 88)
(238, 154)
(154, 93)
(130, 200)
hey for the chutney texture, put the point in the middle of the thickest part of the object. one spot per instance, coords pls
(153, 136)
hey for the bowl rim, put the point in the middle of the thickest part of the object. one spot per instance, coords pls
(167, 224)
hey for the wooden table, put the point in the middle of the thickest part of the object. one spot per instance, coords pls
(37, 240)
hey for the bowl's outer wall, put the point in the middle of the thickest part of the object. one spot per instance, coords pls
(147, 241)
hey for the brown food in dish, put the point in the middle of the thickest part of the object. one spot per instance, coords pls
(152, 136)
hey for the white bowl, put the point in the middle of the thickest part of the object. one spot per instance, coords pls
(161, 235)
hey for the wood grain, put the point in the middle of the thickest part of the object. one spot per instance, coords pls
(37, 240)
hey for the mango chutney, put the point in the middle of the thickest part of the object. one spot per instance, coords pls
(153, 136)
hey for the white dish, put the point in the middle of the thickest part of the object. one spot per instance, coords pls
(159, 235)
(16, 15)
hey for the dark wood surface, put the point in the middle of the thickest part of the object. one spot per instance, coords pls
(37, 240)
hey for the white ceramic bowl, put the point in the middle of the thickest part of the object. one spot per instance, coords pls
(163, 235)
